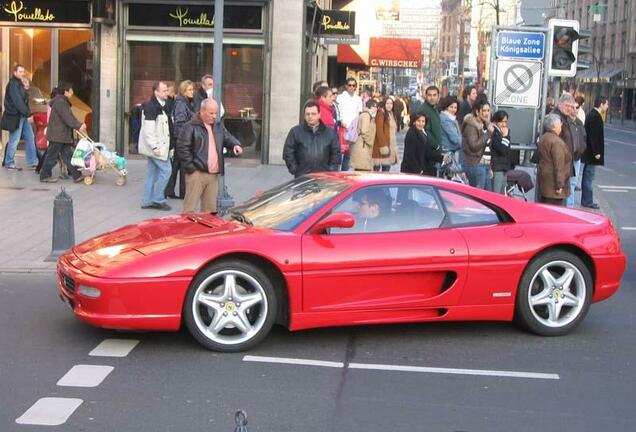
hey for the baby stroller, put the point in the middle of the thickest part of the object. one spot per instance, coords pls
(519, 184)
(451, 169)
(92, 156)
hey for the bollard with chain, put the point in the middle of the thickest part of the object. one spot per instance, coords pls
(240, 418)
(63, 225)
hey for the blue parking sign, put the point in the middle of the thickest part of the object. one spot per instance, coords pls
(520, 45)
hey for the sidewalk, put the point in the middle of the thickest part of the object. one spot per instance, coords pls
(26, 206)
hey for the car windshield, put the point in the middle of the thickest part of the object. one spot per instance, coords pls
(284, 207)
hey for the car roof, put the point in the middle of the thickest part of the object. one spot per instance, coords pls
(373, 177)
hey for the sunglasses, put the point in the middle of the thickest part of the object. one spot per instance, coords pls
(352, 85)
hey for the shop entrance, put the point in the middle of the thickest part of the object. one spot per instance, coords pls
(51, 55)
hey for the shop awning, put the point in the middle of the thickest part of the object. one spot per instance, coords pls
(346, 54)
(606, 75)
(396, 53)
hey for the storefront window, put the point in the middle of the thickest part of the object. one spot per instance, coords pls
(32, 49)
(76, 67)
(175, 62)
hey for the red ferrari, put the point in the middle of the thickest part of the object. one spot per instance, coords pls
(337, 249)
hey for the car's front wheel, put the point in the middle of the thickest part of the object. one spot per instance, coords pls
(231, 306)
(554, 294)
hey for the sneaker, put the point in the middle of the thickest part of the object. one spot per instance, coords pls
(32, 167)
(48, 180)
(78, 179)
(162, 206)
(13, 168)
(148, 206)
(592, 206)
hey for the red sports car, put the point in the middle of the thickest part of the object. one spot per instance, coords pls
(336, 249)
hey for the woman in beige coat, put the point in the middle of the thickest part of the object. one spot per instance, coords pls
(361, 152)
(555, 163)
(385, 145)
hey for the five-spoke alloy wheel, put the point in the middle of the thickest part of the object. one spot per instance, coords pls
(231, 306)
(555, 293)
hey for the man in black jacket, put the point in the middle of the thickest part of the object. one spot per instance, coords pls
(201, 156)
(17, 119)
(311, 146)
(595, 151)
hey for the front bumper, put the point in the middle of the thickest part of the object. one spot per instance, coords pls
(131, 304)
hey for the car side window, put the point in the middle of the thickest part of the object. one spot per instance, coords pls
(463, 210)
(379, 209)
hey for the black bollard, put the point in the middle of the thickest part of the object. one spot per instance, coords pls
(63, 225)
(240, 418)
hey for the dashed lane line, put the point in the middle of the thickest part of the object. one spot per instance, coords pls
(620, 142)
(401, 368)
(85, 376)
(617, 187)
(114, 348)
(628, 228)
(615, 190)
(49, 411)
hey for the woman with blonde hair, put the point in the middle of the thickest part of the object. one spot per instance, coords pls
(182, 113)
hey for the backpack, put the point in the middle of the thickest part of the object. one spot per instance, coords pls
(353, 131)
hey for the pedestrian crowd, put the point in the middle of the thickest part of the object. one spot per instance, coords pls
(343, 130)
(181, 134)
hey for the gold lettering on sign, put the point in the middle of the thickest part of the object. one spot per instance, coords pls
(20, 13)
(201, 21)
(326, 24)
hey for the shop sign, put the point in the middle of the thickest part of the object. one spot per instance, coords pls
(396, 53)
(337, 23)
(187, 16)
(45, 12)
(340, 40)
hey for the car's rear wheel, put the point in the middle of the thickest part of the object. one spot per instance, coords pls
(231, 306)
(555, 294)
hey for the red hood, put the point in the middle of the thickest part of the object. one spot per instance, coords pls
(151, 236)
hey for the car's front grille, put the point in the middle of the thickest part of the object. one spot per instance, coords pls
(67, 283)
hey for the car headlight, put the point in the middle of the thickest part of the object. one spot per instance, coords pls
(89, 291)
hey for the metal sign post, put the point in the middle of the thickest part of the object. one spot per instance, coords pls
(224, 199)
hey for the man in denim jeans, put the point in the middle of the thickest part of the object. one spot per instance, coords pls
(18, 120)
(154, 142)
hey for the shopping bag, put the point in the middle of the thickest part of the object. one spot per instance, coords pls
(82, 151)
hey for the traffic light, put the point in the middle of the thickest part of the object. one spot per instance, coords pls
(565, 44)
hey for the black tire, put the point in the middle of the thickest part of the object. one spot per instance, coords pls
(575, 300)
(197, 315)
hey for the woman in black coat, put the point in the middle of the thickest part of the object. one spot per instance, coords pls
(181, 114)
(419, 155)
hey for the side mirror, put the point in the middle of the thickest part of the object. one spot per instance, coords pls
(334, 220)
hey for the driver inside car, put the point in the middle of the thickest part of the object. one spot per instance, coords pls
(374, 210)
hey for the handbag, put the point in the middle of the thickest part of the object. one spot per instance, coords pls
(10, 122)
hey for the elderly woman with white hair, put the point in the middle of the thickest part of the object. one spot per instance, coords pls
(555, 161)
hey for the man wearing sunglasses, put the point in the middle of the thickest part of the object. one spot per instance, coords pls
(350, 106)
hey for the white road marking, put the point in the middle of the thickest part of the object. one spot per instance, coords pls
(620, 142)
(114, 348)
(615, 190)
(85, 376)
(294, 361)
(452, 371)
(49, 411)
(619, 130)
(384, 367)
(628, 228)
(617, 187)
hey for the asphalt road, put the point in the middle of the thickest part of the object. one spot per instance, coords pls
(168, 383)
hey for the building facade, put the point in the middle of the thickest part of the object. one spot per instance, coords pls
(612, 51)
(112, 52)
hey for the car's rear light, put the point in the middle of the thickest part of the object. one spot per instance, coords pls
(89, 291)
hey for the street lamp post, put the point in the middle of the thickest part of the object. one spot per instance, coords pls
(224, 199)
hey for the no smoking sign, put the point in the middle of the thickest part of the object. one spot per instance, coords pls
(518, 83)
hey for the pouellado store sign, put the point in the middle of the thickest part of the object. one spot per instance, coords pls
(45, 12)
(189, 16)
(337, 23)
